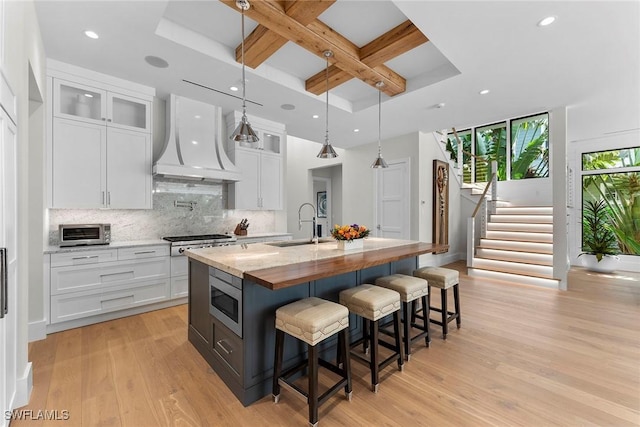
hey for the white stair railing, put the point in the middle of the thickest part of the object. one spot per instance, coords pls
(484, 207)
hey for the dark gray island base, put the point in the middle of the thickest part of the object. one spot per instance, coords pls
(245, 363)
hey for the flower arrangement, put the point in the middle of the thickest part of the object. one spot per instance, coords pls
(349, 232)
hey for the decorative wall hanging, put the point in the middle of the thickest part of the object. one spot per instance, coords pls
(441, 204)
(321, 202)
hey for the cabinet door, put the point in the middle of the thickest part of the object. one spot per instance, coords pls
(128, 169)
(79, 102)
(271, 182)
(127, 112)
(79, 153)
(245, 192)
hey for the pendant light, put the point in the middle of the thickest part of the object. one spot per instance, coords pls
(379, 161)
(327, 151)
(243, 133)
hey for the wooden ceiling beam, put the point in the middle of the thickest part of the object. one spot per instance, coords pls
(317, 38)
(262, 42)
(391, 44)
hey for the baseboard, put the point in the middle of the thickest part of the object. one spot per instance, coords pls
(37, 330)
(433, 260)
(24, 386)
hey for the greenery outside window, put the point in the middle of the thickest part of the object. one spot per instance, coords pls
(491, 144)
(530, 147)
(452, 147)
(603, 180)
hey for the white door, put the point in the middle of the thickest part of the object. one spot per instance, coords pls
(8, 279)
(392, 200)
(128, 169)
(79, 159)
(271, 182)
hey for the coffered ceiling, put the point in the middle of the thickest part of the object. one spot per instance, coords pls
(588, 59)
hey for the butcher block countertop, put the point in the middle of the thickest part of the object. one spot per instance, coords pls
(280, 267)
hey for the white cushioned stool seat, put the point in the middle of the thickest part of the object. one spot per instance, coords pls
(312, 319)
(409, 287)
(438, 277)
(369, 301)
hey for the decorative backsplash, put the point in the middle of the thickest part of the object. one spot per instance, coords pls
(179, 208)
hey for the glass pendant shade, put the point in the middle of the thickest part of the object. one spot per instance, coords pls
(327, 151)
(243, 133)
(379, 161)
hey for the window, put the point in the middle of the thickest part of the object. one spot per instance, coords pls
(452, 147)
(491, 144)
(614, 177)
(530, 147)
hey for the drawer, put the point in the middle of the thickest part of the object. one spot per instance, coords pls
(179, 265)
(105, 275)
(226, 277)
(90, 303)
(83, 257)
(228, 346)
(143, 252)
(179, 286)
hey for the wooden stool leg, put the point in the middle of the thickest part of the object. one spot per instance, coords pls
(277, 365)
(313, 385)
(366, 335)
(407, 339)
(425, 314)
(456, 301)
(445, 329)
(374, 355)
(344, 349)
(396, 330)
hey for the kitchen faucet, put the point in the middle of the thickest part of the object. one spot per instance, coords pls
(314, 237)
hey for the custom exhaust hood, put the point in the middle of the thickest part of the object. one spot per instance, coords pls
(194, 148)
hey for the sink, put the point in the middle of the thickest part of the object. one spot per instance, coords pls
(287, 243)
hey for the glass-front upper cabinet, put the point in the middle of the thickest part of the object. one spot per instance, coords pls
(89, 104)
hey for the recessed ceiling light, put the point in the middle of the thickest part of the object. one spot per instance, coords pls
(315, 116)
(197, 116)
(546, 21)
(484, 91)
(288, 107)
(233, 88)
(88, 95)
(91, 34)
(194, 142)
(440, 105)
(156, 61)
(356, 130)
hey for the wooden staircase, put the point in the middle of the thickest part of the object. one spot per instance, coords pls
(517, 247)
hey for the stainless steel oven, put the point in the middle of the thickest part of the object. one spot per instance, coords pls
(225, 299)
(84, 234)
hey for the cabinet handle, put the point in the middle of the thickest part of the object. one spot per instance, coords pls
(104, 200)
(226, 350)
(108, 198)
(103, 119)
(109, 120)
(144, 252)
(85, 257)
(4, 304)
(116, 274)
(113, 299)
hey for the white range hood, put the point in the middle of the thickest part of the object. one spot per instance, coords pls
(194, 148)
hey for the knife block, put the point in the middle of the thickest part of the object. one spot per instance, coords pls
(239, 231)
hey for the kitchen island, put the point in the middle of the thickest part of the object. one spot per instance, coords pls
(234, 292)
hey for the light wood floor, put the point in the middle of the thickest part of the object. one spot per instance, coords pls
(524, 356)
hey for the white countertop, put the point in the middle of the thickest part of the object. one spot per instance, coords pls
(112, 245)
(237, 259)
(261, 235)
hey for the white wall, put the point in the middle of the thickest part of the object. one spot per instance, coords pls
(23, 46)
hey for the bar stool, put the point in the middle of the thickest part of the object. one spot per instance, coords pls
(372, 303)
(410, 289)
(312, 320)
(444, 279)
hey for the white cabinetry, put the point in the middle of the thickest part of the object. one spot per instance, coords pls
(261, 187)
(101, 145)
(93, 282)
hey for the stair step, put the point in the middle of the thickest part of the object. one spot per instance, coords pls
(520, 236)
(525, 210)
(532, 219)
(523, 257)
(513, 278)
(520, 226)
(541, 271)
(507, 245)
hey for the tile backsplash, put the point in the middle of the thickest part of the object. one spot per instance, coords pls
(167, 218)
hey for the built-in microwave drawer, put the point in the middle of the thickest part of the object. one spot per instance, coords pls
(228, 346)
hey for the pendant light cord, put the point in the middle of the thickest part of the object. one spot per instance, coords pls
(327, 54)
(244, 106)
(379, 120)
